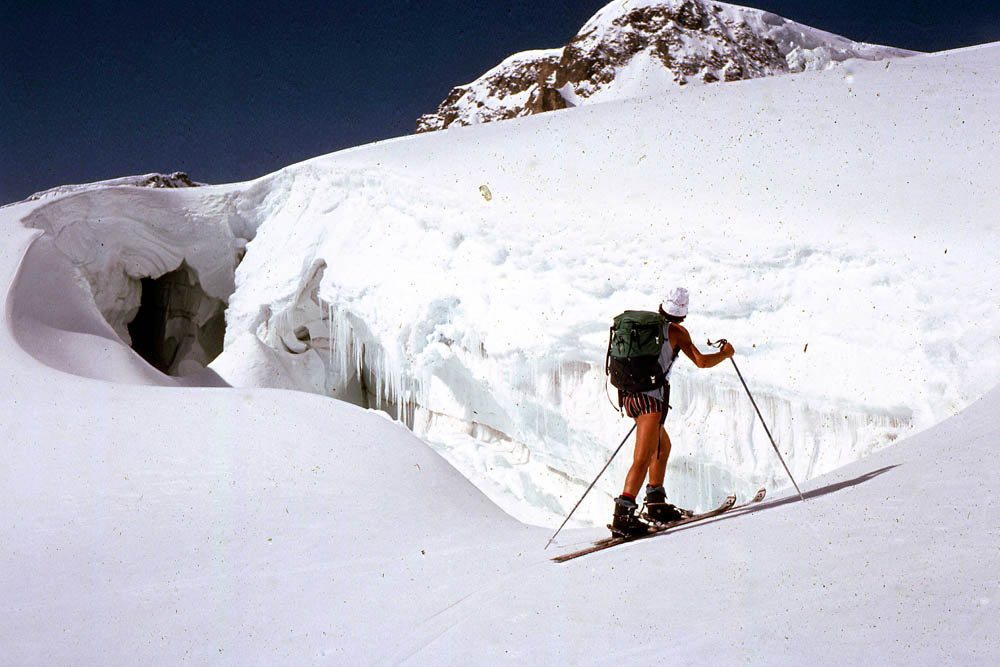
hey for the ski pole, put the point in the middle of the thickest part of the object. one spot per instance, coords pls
(719, 344)
(590, 487)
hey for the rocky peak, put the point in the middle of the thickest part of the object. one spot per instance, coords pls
(635, 47)
(177, 179)
(513, 88)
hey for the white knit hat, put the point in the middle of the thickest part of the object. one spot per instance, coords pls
(677, 303)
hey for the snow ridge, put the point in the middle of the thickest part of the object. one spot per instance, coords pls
(177, 179)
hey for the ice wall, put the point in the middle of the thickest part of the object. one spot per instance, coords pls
(382, 291)
(532, 430)
(482, 323)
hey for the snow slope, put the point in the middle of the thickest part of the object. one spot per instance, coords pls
(837, 226)
(892, 560)
(148, 524)
(830, 224)
(145, 524)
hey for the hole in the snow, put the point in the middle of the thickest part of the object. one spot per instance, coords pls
(179, 328)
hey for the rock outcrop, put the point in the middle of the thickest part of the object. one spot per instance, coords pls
(516, 87)
(178, 179)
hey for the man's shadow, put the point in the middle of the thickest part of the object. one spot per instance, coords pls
(768, 505)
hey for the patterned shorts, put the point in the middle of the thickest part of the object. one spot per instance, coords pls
(641, 404)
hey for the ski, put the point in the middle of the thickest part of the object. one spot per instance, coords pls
(656, 528)
(759, 496)
(615, 540)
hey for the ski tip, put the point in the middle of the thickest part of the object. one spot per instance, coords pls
(760, 496)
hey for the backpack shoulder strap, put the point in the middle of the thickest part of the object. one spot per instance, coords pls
(676, 350)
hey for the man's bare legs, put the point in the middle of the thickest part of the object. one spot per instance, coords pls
(658, 464)
(645, 459)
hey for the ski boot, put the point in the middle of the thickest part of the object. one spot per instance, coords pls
(626, 522)
(659, 510)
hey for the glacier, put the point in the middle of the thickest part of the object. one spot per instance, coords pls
(861, 310)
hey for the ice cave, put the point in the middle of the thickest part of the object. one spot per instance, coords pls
(178, 328)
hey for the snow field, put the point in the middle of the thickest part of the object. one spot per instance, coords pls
(167, 524)
(148, 524)
(808, 238)
(382, 276)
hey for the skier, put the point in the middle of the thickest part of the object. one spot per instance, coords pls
(648, 409)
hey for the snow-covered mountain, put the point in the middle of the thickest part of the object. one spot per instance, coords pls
(643, 47)
(146, 523)
(838, 226)
(463, 281)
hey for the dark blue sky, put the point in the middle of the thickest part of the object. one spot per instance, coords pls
(229, 91)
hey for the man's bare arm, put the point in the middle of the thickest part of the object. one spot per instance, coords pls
(679, 337)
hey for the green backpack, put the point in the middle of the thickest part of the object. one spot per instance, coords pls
(634, 344)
